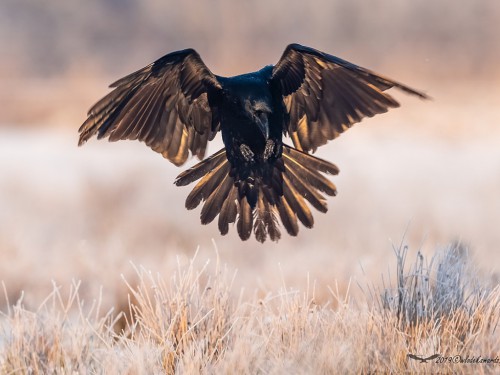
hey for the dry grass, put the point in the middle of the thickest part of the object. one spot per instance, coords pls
(195, 321)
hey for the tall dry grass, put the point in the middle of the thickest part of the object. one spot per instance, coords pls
(193, 320)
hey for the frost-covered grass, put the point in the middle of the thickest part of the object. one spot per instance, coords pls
(193, 320)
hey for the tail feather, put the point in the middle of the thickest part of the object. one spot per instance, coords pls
(297, 204)
(255, 203)
(229, 211)
(271, 222)
(313, 197)
(200, 169)
(311, 161)
(288, 217)
(207, 184)
(245, 219)
(260, 226)
(213, 204)
(265, 220)
(306, 172)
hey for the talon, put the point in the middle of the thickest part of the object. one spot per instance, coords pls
(246, 152)
(268, 150)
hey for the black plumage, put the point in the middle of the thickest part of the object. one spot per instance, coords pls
(176, 105)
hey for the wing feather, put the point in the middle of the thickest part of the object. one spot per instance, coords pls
(165, 105)
(325, 95)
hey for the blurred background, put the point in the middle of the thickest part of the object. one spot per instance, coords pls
(426, 174)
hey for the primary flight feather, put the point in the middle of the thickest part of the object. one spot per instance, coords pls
(176, 105)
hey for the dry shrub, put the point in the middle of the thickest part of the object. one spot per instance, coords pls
(437, 290)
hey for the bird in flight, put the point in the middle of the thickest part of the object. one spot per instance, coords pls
(176, 105)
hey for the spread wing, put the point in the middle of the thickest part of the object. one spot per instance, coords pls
(434, 356)
(413, 356)
(165, 105)
(325, 95)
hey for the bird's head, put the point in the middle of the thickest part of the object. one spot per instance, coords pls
(259, 111)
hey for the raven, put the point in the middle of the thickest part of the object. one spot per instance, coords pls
(176, 105)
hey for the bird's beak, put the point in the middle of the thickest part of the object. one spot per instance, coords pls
(263, 124)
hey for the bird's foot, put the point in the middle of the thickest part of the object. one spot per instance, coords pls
(247, 153)
(268, 150)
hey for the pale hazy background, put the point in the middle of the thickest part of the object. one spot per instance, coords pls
(429, 169)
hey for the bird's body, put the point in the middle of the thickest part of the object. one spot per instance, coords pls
(176, 105)
(252, 129)
(260, 121)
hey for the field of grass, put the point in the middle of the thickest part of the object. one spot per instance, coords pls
(191, 319)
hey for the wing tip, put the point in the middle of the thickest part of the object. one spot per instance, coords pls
(85, 135)
(421, 94)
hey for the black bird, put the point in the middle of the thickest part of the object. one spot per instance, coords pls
(176, 105)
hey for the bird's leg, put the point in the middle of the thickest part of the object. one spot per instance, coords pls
(246, 153)
(268, 150)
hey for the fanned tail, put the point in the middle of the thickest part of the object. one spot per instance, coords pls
(277, 191)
